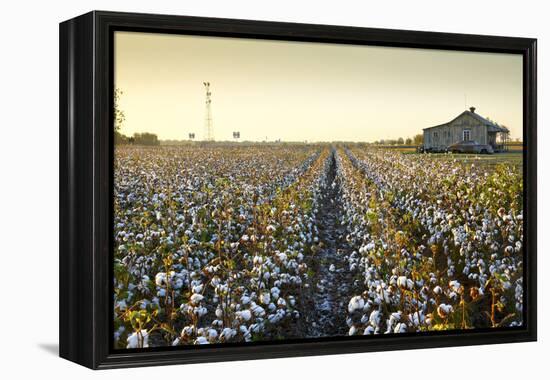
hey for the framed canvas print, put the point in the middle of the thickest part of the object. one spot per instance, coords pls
(236, 189)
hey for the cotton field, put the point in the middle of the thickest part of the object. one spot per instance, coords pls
(242, 243)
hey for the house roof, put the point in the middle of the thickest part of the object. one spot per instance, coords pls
(492, 127)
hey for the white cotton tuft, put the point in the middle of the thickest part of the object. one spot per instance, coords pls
(454, 285)
(404, 283)
(138, 340)
(265, 298)
(444, 310)
(374, 318)
(400, 328)
(356, 303)
(201, 340)
(196, 298)
(245, 315)
(160, 279)
(369, 330)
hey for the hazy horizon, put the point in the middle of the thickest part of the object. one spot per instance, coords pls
(297, 91)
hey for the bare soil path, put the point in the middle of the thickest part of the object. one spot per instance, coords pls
(331, 281)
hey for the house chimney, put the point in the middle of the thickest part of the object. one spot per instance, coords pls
(472, 109)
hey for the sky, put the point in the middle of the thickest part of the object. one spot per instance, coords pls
(303, 91)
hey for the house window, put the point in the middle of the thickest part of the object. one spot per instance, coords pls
(435, 136)
(466, 135)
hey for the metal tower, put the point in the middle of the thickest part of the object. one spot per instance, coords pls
(208, 126)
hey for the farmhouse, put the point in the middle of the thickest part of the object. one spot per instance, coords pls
(468, 126)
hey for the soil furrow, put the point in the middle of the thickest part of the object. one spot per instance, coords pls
(331, 280)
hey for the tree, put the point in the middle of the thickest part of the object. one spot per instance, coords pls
(418, 139)
(146, 139)
(119, 117)
(408, 141)
(400, 141)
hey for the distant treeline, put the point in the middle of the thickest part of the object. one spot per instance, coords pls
(137, 139)
(415, 140)
(229, 142)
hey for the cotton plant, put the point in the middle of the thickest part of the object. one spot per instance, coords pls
(199, 241)
(219, 245)
(464, 236)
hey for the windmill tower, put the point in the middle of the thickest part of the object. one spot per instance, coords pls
(208, 126)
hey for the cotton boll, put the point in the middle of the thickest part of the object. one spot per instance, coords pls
(256, 328)
(201, 340)
(245, 315)
(160, 279)
(265, 298)
(178, 283)
(196, 298)
(444, 310)
(119, 332)
(374, 318)
(292, 301)
(275, 292)
(121, 305)
(274, 318)
(369, 330)
(245, 333)
(138, 340)
(400, 328)
(370, 246)
(402, 282)
(212, 335)
(416, 318)
(257, 310)
(356, 303)
(227, 334)
(455, 286)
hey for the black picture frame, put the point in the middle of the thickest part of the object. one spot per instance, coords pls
(86, 157)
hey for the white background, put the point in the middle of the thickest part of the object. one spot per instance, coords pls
(29, 187)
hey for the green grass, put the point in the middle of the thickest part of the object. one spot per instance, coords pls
(512, 158)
